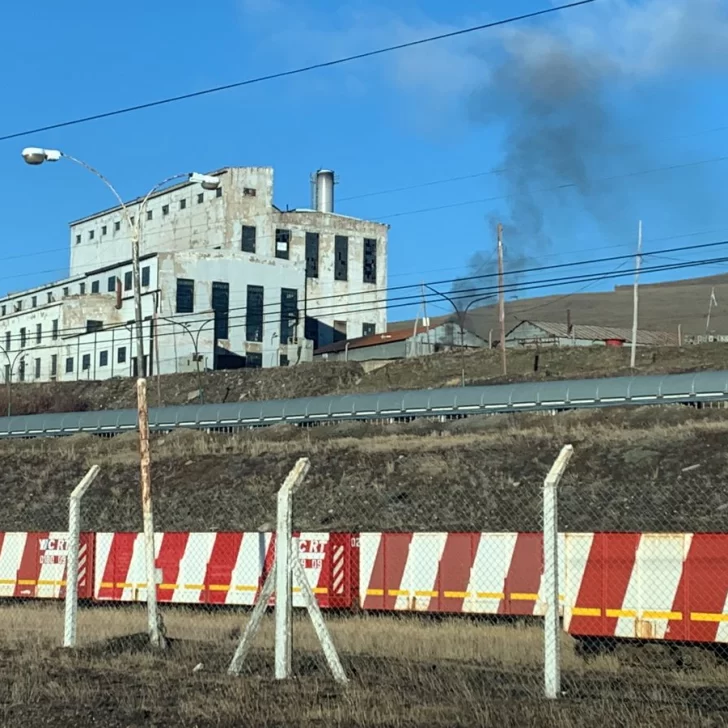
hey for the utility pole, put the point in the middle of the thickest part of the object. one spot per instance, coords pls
(425, 319)
(501, 300)
(635, 308)
(712, 303)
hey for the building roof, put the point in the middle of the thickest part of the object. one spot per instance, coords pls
(601, 333)
(361, 342)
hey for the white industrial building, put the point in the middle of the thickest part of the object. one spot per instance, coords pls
(225, 275)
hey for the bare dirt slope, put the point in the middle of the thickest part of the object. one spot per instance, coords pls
(658, 469)
(310, 380)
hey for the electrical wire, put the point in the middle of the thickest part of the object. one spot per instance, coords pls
(404, 300)
(293, 71)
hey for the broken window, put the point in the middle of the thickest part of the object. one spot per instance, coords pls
(221, 306)
(289, 314)
(339, 331)
(247, 244)
(185, 295)
(368, 329)
(254, 314)
(370, 260)
(283, 240)
(341, 258)
(312, 255)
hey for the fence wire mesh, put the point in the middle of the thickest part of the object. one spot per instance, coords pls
(424, 547)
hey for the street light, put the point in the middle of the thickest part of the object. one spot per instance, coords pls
(36, 156)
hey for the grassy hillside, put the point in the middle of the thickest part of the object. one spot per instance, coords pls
(661, 469)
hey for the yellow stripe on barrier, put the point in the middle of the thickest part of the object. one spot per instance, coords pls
(708, 617)
(169, 586)
(630, 613)
(218, 587)
(490, 595)
(661, 615)
(246, 587)
(398, 593)
(426, 593)
(7, 582)
(26, 582)
(320, 590)
(586, 612)
(524, 597)
(456, 594)
(375, 592)
(194, 587)
(50, 582)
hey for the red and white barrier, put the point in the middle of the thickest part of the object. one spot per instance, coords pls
(647, 586)
(480, 573)
(33, 565)
(217, 568)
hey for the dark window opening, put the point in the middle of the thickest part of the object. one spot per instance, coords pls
(93, 325)
(34, 301)
(182, 204)
(121, 354)
(370, 260)
(283, 239)
(283, 361)
(95, 286)
(65, 290)
(221, 306)
(23, 337)
(312, 255)
(90, 234)
(134, 367)
(247, 244)
(248, 192)
(254, 314)
(341, 258)
(54, 365)
(311, 331)
(117, 226)
(55, 329)
(86, 362)
(145, 275)
(218, 192)
(165, 209)
(127, 280)
(78, 239)
(111, 284)
(103, 229)
(254, 360)
(150, 214)
(38, 333)
(200, 198)
(368, 329)
(69, 365)
(37, 369)
(21, 370)
(289, 314)
(103, 358)
(185, 295)
(339, 331)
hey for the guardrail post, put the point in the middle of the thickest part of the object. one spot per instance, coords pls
(552, 630)
(74, 536)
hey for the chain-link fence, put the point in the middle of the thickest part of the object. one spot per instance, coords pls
(427, 549)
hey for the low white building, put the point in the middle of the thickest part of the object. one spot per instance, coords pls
(226, 277)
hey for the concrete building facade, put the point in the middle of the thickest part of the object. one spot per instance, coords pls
(227, 280)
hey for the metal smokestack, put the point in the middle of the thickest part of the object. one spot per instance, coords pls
(324, 190)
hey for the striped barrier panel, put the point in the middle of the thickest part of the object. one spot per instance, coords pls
(647, 586)
(33, 564)
(220, 568)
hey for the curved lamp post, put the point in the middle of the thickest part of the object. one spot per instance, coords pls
(36, 156)
(461, 314)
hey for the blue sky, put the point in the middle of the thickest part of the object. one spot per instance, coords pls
(654, 96)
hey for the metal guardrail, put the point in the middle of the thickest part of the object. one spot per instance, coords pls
(454, 401)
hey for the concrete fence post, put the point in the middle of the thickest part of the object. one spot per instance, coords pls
(74, 545)
(552, 630)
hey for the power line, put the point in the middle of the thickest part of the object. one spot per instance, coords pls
(408, 299)
(293, 72)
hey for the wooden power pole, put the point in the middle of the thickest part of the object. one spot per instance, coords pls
(636, 297)
(501, 300)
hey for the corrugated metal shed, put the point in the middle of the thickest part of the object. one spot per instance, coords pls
(599, 333)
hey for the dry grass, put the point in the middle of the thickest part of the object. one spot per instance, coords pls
(403, 672)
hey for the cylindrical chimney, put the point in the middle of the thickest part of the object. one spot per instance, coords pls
(324, 190)
(568, 321)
